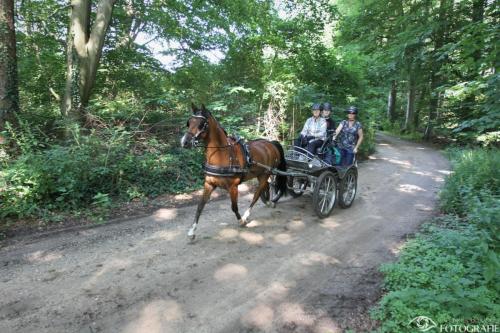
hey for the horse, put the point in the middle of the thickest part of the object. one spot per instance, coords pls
(228, 163)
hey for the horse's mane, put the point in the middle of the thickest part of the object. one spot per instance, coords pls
(206, 113)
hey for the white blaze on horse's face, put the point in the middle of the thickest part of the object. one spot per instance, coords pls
(186, 140)
(197, 130)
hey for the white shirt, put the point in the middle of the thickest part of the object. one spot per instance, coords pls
(315, 127)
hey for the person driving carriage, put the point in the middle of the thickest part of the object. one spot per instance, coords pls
(313, 134)
(330, 123)
(351, 137)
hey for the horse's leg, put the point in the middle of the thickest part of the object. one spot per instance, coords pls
(262, 185)
(233, 192)
(207, 190)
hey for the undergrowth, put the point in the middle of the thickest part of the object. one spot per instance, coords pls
(450, 271)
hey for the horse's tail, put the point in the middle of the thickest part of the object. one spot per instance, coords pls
(280, 179)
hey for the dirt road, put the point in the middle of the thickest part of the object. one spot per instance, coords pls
(286, 272)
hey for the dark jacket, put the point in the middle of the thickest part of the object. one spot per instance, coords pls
(330, 123)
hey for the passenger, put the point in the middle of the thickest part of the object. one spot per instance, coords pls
(313, 134)
(330, 123)
(351, 136)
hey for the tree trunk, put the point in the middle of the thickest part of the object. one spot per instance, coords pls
(419, 105)
(391, 105)
(84, 48)
(410, 105)
(436, 80)
(9, 94)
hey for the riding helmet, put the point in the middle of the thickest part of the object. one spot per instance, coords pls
(352, 109)
(327, 106)
(316, 106)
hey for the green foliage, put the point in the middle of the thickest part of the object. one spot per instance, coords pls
(450, 271)
(91, 170)
(476, 175)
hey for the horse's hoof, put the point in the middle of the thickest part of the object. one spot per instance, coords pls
(191, 237)
(272, 204)
(242, 223)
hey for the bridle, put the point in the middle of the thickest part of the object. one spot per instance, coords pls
(202, 128)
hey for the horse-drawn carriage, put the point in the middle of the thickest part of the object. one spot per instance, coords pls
(310, 173)
(229, 162)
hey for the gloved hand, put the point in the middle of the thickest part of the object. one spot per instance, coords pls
(303, 140)
(311, 138)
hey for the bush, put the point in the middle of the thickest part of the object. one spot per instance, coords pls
(102, 164)
(476, 175)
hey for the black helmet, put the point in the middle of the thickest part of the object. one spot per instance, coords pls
(327, 106)
(316, 106)
(352, 109)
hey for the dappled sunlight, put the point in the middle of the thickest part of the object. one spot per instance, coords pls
(424, 208)
(165, 214)
(157, 317)
(282, 239)
(254, 224)
(293, 313)
(326, 325)
(244, 187)
(396, 247)
(313, 258)
(43, 256)
(431, 175)
(274, 292)
(295, 225)
(112, 265)
(230, 272)
(423, 173)
(227, 233)
(251, 237)
(183, 196)
(421, 148)
(410, 188)
(330, 224)
(445, 172)
(166, 235)
(438, 179)
(404, 164)
(383, 144)
(260, 317)
(248, 236)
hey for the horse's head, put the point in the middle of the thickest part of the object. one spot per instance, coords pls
(197, 127)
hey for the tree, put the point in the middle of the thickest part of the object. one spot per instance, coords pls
(84, 49)
(9, 95)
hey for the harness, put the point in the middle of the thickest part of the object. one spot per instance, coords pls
(234, 168)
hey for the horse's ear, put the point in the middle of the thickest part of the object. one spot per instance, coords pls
(193, 107)
(204, 110)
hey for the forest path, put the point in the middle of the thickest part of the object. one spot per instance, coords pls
(286, 272)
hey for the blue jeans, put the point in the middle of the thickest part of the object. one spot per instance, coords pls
(347, 156)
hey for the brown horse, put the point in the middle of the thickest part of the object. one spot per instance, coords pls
(226, 165)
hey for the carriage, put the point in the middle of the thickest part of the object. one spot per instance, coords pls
(229, 162)
(309, 173)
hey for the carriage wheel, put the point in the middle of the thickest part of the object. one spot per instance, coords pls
(348, 188)
(325, 194)
(295, 186)
(270, 192)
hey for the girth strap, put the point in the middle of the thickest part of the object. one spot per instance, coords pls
(225, 171)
